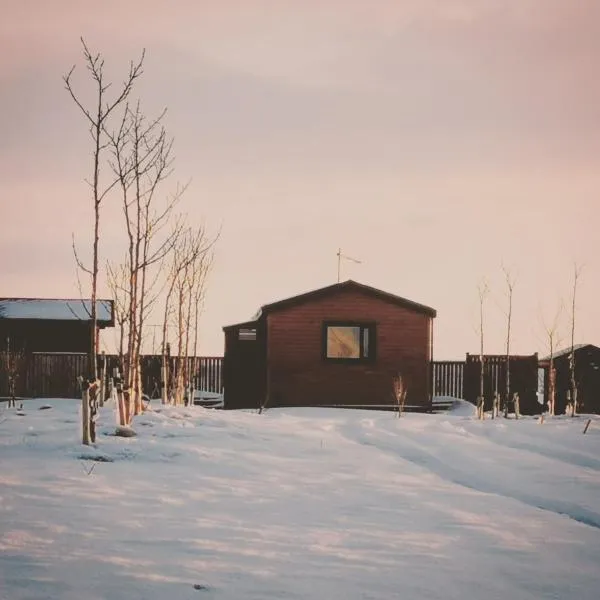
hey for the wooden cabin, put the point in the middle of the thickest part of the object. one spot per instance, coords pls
(341, 345)
(51, 325)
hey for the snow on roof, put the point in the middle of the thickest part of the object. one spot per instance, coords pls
(55, 309)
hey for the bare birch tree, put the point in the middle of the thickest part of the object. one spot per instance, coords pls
(189, 256)
(97, 116)
(572, 378)
(116, 275)
(142, 161)
(12, 361)
(551, 333)
(510, 280)
(203, 267)
(400, 391)
(482, 293)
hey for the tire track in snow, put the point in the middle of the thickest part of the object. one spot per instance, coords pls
(562, 454)
(405, 447)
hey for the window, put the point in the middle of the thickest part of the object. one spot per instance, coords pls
(246, 334)
(348, 341)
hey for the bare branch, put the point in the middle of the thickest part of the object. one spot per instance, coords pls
(77, 260)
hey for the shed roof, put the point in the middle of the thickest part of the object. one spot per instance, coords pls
(54, 309)
(567, 351)
(331, 289)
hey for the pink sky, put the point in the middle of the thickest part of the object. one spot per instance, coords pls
(433, 140)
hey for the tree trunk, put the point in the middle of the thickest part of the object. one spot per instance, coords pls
(552, 388)
(85, 415)
(102, 391)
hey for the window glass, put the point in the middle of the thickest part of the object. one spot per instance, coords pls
(343, 342)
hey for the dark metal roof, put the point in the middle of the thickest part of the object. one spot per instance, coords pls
(54, 309)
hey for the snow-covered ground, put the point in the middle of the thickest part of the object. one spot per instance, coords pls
(298, 503)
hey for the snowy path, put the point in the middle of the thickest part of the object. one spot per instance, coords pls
(298, 503)
(469, 460)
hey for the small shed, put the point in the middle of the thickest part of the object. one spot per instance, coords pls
(587, 377)
(341, 345)
(51, 325)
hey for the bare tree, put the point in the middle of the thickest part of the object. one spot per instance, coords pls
(482, 293)
(117, 275)
(97, 117)
(551, 333)
(189, 256)
(400, 391)
(572, 379)
(142, 161)
(12, 361)
(510, 285)
(202, 268)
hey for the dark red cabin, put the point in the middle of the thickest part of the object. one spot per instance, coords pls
(340, 345)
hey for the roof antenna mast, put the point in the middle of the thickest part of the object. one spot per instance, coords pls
(339, 262)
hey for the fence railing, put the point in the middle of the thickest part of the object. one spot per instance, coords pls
(54, 375)
(48, 375)
(447, 378)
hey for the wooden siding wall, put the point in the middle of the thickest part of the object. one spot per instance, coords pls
(45, 336)
(48, 375)
(298, 375)
(244, 368)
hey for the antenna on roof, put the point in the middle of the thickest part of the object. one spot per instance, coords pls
(339, 261)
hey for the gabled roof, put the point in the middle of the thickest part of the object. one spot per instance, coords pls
(332, 289)
(348, 285)
(54, 309)
(567, 351)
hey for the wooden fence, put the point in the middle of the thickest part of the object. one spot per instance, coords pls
(523, 379)
(461, 379)
(45, 375)
(447, 378)
(54, 375)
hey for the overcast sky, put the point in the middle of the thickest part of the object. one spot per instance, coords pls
(432, 140)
